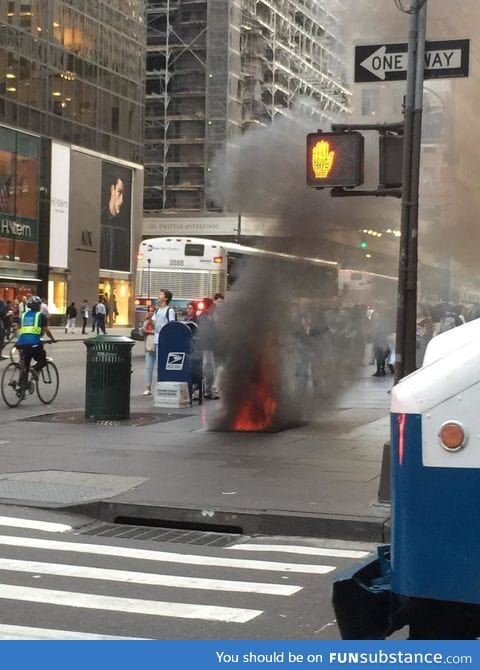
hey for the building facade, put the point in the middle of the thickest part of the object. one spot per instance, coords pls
(71, 149)
(215, 68)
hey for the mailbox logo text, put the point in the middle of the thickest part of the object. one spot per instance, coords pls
(175, 360)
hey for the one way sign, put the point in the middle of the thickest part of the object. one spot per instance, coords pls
(388, 62)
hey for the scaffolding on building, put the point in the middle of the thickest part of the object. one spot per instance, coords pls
(214, 67)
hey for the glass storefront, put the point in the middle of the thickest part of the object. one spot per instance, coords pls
(11, 290)
(57, 293)
(19, 166)
(118, 297)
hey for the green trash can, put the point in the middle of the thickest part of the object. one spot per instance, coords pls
(109, 367)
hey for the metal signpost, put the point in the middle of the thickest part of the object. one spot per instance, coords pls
(405, 354)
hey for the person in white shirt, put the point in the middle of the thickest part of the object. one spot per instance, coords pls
(164, 312)
(44, 307)
(100, 315)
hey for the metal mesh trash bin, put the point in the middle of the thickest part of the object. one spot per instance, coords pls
(109, 367)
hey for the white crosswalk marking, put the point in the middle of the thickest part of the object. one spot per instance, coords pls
(33, 524)
(30, 633)
(115, 581)
(62, 570)
(295, 549)
(131, 605)
(163, 556)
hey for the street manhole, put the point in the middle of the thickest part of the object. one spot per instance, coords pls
(158, 534)
(136, 419)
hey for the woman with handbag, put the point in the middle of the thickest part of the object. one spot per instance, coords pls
(150, 354)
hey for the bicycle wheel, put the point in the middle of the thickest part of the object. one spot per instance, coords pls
(12, 392)
(14, 354)
(47, 383)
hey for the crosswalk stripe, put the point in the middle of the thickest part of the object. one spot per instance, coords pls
(9, 632)
(301, 549)
(131, 605)
(33, 524)
(63, 570)
(163, 556)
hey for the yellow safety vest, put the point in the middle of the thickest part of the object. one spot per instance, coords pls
(31, 329)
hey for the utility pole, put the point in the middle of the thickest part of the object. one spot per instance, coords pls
(405, 354)
(406, 333)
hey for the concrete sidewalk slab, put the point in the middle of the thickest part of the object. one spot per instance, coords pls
(320, 478)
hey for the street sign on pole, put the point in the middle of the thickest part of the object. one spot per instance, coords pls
(388, 62)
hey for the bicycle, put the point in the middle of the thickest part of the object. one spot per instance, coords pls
(15, 385)
(13, 353)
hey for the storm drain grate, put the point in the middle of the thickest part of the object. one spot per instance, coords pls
(135, 420)
(157, 534)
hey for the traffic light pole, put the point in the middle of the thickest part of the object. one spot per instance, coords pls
(405, 355)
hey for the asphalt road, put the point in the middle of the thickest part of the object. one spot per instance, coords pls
(57, 583)
(70, 358)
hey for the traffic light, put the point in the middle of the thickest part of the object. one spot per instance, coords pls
(335, 159)
(390, 161)
(363, 244)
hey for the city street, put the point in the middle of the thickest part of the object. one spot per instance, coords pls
(72, 584)
(280, 198)
(292, 509)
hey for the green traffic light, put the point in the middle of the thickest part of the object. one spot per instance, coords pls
(363, 244)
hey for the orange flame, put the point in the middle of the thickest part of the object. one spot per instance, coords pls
(258, 410)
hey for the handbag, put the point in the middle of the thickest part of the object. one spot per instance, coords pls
(150, 343)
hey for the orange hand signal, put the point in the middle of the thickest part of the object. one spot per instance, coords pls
(322, 159)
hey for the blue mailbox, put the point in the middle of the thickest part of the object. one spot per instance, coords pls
(175, 346)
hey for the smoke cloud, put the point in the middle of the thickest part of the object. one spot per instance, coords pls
(272, 329)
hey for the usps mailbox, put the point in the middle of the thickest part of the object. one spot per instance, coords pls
(174, 356)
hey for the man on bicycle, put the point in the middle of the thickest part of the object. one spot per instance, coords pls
(33, 325)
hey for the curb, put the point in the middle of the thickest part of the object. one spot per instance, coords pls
(251, 522)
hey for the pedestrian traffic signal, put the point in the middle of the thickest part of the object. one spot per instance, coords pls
(390, 161)
(335, 159)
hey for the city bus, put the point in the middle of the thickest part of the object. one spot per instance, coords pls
(195, 269)
(359, 287)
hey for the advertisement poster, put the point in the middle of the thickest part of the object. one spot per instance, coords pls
(59, 205)
(115, 230)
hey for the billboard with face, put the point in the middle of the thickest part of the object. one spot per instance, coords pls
(115, 227)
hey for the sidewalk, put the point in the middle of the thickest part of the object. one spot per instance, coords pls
(59, 333)
(320, 479)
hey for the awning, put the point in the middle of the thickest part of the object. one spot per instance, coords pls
(19, 280)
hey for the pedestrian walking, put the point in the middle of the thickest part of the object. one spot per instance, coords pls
(100, 316)
(424, 333)
(381, 329)
(3, 321)
(150, 351)
(208, 341)
(114, 308)
(71, 317)
(85, 313)
(94, 317)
